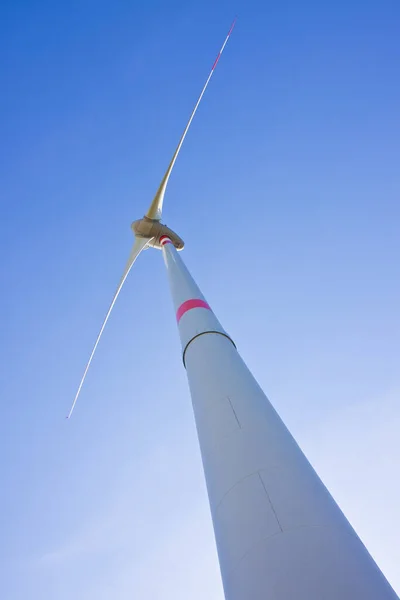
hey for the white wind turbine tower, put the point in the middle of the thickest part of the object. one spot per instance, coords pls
(279, 533)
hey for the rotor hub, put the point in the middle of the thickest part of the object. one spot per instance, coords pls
(153, 230)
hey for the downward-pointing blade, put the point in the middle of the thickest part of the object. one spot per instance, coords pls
(138, 246)
(155, 208)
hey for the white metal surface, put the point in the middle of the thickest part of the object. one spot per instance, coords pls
(279, 533)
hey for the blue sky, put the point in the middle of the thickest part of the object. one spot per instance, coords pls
(295, 149)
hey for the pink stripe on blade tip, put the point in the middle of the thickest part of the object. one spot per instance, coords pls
(188, 305)
(232, 26)
(216, 61)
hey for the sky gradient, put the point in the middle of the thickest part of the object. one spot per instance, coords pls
(295, 149)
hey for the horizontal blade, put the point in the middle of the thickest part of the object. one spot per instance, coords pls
(155, 208)
(138, 246)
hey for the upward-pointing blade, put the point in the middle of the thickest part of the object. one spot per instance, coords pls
(155, 208)
(138, 246)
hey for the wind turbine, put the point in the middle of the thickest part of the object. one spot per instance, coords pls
(279, 533)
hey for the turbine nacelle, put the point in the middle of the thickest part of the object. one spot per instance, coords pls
(153, 230)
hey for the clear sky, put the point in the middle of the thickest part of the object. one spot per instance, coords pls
(296, 151)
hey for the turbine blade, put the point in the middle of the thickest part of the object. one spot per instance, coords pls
(155, 208)
(138, 246)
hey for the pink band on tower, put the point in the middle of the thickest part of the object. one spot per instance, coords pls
(164, 239)
(188, 305)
